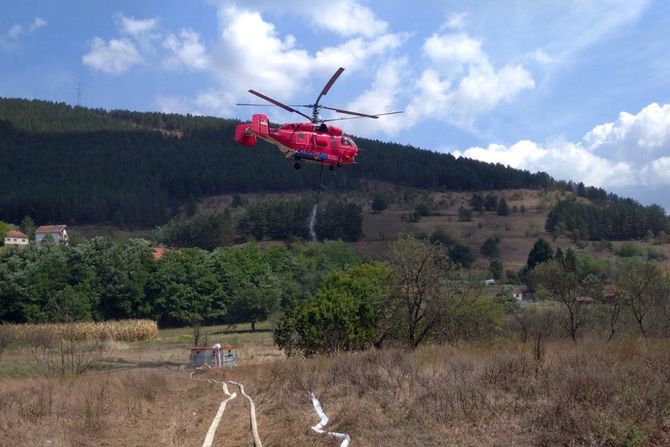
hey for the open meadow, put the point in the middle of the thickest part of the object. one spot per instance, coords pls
(485, 394)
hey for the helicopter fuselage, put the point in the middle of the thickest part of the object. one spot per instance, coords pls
(318, 143)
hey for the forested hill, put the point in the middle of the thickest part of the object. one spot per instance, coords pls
(75, 165)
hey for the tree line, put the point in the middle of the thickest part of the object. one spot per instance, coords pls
(101, 279)
(619, 219)
(274, 220)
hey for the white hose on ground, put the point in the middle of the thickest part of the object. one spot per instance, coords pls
(222, 407)
(215, 422)
(252, 415)
(324, 421)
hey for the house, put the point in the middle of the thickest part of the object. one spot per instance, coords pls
(58, 234)
(521, 293)
(584, 300)
(16, 239)
(158, 252)
(611, 293)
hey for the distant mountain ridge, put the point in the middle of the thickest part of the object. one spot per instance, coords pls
(74, 165)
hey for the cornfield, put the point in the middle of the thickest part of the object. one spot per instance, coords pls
(122, 330)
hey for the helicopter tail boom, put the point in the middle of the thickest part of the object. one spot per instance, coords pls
(246, 134)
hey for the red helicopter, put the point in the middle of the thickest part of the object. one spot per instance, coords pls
(314, 141)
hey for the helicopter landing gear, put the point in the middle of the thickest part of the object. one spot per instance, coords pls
(339, 165)
(296, 165)
(332, 168)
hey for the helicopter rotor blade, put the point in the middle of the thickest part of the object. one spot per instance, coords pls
(358, 117)
(342, 119)
(329, 84)
(278, 104)
(270, 105)
(349, 112)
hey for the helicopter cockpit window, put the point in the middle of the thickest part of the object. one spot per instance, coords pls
(346, 142)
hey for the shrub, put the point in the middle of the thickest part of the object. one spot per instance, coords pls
(464, 214)
(629, 250)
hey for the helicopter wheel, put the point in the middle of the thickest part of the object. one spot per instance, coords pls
(339, 165)
(296, 165)
(332, 168)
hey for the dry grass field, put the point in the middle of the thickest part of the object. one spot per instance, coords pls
(492, 394)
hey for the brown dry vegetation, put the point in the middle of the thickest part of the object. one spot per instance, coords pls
(486, 395)
(121, 330)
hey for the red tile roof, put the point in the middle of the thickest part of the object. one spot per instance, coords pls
(158, 252)
(15, 233)
(50, 229)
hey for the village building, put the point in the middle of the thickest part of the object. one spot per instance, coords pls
(16, 239)
(58, 234)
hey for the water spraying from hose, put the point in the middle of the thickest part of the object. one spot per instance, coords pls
(312, 216)
(312, 222)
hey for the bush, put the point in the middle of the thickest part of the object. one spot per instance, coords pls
(440, 236)
(462, 255)
(423, 209)
(343, 315)
(464, 214)
(629, 250)
(379, 203)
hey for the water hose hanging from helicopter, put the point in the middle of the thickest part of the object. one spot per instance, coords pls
(313, 142)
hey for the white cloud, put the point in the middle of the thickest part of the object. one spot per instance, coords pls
(186, 50)
(354, 53)
(648, 132)
(657, 172)
(455, 21)
(561, 159)
(137, 28)
(460, 83)
(345, 17)
(632, 151)
(252, 53)
(587, 22)
(114, 57)
(11, 39)
(382, 97)
(454, 50)
(483, 88)
(132, 48)
(15, 31)
(38, 23)
(541, 57)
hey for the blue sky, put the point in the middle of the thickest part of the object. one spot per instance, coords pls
(580, 89)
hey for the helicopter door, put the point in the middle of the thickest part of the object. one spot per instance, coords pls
(301, 140)
(322, 140)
